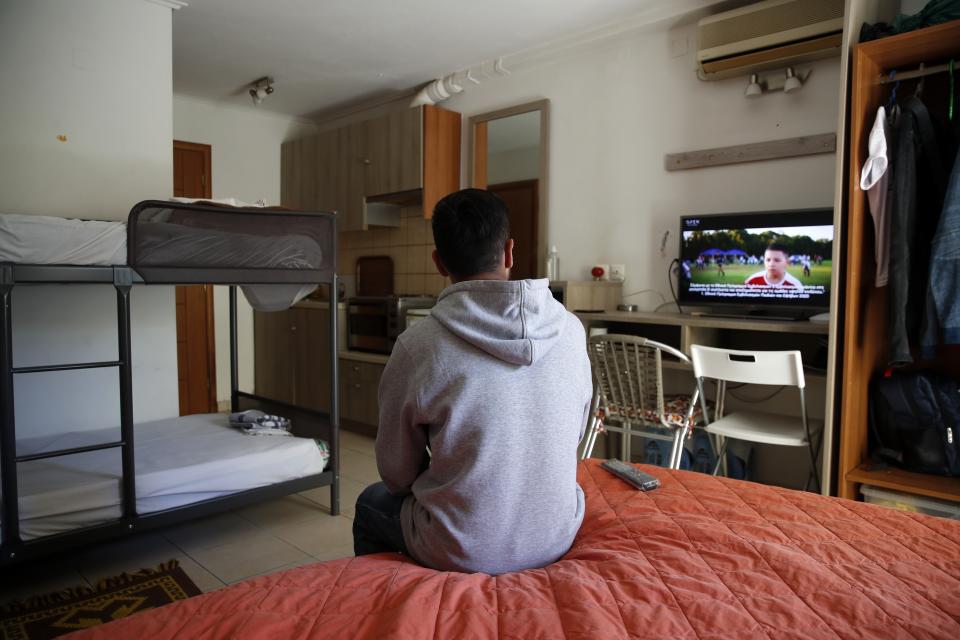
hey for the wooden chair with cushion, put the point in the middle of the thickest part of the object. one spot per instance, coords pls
(628, 393)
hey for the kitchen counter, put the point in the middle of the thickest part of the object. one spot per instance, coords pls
(363, 356)
(306, 303)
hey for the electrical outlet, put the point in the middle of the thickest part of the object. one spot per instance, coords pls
(618, 272)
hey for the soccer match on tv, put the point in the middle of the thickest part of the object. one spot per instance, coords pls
(794, 260)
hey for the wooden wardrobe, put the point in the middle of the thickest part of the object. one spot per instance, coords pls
(865, 337)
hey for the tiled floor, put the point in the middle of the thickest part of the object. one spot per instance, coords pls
(222, 549)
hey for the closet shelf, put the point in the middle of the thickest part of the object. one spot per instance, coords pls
(942, 487)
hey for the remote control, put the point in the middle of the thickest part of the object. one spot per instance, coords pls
(630, 474)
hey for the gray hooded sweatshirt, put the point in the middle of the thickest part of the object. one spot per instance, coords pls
(496, 382)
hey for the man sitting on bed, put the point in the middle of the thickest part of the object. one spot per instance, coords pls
(496, 384)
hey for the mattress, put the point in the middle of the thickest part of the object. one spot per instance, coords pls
(178, 461)
(49, 240)
(174, 236)
(700, 557)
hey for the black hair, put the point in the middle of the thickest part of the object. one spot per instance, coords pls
(778, 246)
(470, 229)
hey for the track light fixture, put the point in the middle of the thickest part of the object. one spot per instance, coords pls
(260, 89)
(792, 82)
(789, 82)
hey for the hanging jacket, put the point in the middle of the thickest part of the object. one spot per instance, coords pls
(943, 294)
(917, 188)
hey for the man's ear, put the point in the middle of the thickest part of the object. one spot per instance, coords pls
(508, 254)
(436, 261)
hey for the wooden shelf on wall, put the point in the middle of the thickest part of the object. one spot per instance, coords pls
(753, 152)
(942, 487)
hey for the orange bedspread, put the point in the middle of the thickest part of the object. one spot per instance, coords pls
(700, 557)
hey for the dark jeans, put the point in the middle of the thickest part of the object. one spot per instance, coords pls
(376, 524)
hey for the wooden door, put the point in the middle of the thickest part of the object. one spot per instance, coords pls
(522, 202)
(196, 353)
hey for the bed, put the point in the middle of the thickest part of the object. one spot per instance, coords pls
(180, 461)
(700, 557)
(74, 488)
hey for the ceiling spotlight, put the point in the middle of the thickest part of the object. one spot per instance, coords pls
(792, 82)
(753, 88)
(260, 89)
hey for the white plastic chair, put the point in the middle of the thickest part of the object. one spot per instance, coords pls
(783, 368)
(628, 387)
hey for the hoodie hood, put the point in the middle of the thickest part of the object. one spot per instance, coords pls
(517, 321)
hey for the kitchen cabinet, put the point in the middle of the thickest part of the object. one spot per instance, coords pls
(292, 356)
(330, 173)
(367, 170)
(359, 385)
(298, 161)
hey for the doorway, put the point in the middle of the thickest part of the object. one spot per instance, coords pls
(196, 351)
(521, 200)
(508, 154)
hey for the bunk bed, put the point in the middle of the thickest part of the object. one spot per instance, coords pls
(169, 470)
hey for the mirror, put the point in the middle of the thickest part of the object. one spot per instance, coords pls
(508, 155)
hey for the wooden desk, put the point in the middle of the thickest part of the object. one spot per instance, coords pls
(786, 466)
(706, 321)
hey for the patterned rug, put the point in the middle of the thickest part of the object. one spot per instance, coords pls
(58, 613)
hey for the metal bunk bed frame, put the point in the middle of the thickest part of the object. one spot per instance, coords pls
(13, 549)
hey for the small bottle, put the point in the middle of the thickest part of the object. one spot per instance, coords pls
(553, 264)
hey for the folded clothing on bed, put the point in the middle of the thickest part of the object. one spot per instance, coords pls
(255, 422)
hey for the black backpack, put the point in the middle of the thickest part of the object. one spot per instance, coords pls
(915, 422)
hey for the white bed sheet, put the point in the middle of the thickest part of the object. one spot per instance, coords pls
(49, 240)
(179, 461)
(28, 239)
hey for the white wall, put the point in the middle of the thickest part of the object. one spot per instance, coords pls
(98, 73)
(245, 145)
(617, 109)
(245, 162)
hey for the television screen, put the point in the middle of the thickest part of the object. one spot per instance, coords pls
(762, 261)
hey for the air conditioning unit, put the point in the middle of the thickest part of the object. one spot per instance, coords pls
(768, 35)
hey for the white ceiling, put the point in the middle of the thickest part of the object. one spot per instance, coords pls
(324, 54)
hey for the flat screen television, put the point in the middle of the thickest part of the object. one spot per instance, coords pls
(767, 263)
